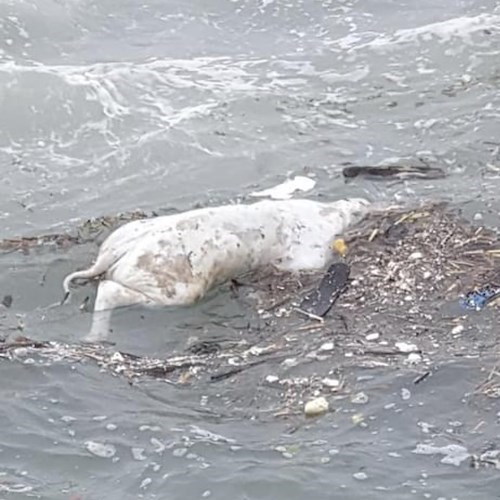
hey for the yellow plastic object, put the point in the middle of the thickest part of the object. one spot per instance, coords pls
(340, 247)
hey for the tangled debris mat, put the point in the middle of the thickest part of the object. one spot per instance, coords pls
(92, 230)
(400, 310)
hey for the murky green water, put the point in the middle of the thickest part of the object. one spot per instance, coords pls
(111, 106)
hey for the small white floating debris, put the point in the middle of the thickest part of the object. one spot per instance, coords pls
(327, 346)
(316, 407)
(360, 476)
(456, 330)
(287, 451)
(454, 454)
(290, 362)
(138, 454)
(285, 190)
(358, 418)
(100, 449)
(145, 483)
(158, 446)
(492, 457)
(152, 428)
(425, 427)
(416, 256)
(405, 394)
(271, 379)
(360, 398)
(372, 336)
(413, 358)
(68, 419)
(117, 357)
(259, 350)
(256, 350)
(332, 383)
(20, 352)
(406, 347)
(206, 435)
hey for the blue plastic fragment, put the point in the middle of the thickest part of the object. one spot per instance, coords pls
(477, 299)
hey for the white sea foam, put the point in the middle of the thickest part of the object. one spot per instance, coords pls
(443, 31)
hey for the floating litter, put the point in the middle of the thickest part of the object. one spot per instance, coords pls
(479, 298)
(285, 190)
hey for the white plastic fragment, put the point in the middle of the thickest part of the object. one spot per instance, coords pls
(406, 347)
(360, 398)
(145, 483)
(405, 394)
(316, 407)
(372, 336)
(333, 383)
(117, 357)
(158, 446)
(20, 352)
(100, 449)
(456, 330)
(271, 379)
(285, 190)
(327, 346)
(360, 476)
(413, 358)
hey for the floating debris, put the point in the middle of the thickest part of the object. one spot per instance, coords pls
(413, 358)
(457, 330)
(285, 190)
(119, 363)
(360, 398)
(327, 346)
(480, 298)
(316, 407)
(101, 450)
(360, 476)
(339, 247)
(320, 300)
(406, 267)
(7, 301)
(394, 171)
(405, 394)
(332, 383)
(488, 458)
(453, 454)
(405, 347)
(491, 386)
(91, 230)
